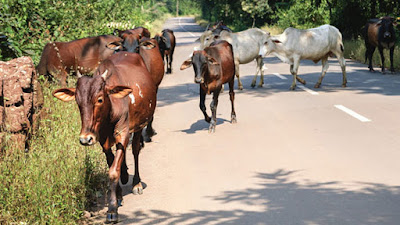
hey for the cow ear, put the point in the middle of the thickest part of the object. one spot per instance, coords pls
(147, 45)
(118, 91)
(277, 41)
(116, 45)
(186, 64)
(65, 94)
(212, 61)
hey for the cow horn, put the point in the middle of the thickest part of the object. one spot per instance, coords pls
(104, 75)
(78, 74)
(207, 27)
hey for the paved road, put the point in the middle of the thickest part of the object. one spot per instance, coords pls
(294, 157)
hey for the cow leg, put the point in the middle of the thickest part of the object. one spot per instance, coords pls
(167, 57)
(213, 107)
(114, 175)
(293, 70)
(240, 85)
(370, 53)
(149, 132)
(202, 105)
(170, 63)
(259, 70)
(232, 97)
(325, 67)
(380, 48)
(391, 59)
(137, 187)
(342, 63)
(297, 77)
(110, 160)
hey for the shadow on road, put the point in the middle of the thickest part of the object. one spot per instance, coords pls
(202, 125)
(287, 201)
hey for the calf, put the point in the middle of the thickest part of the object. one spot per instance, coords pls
(380, 33)
(313, 44)
(246, 47)
(82, 56)
(115, 103)
(213, 67)
(131, 38)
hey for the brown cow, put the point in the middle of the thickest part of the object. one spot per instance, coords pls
(380, 33)
(131, 38)
(149, 50)
(117, 101)
(169, 48)
(83, 55)
(213, 67)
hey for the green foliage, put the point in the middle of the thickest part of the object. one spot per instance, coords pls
(303, 16)
(53, 182)
(29, 24)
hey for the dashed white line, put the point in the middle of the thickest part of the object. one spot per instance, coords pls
(179, 21)
(280, 76)
(307, 90)
(352, 113)
(299, 85)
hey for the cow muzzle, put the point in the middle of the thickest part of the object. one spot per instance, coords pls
(87, 139)
(199, 80)
(387, 35)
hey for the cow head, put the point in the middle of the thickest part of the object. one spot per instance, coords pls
(131, 41)
(386, 30)
(201, 62)
(269, 46)
(92, 95)
(205, 39)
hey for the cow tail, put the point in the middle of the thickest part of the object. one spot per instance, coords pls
(42, 66)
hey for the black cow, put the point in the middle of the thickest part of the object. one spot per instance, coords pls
(380, 33)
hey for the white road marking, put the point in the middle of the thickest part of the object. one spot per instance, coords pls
(352, 113)
(280, 76)
(179, 21)
(307, 90)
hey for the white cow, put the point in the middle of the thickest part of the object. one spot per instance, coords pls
(314, 44)
(246, 47)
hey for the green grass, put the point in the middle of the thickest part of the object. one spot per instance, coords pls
(355, 49)
(53, 183)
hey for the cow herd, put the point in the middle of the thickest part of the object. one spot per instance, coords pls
(118, 102)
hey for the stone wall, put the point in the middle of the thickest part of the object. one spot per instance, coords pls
(21, 99)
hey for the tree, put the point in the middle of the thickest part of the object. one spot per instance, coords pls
(256, 8)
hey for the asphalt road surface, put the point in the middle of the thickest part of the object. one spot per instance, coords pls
(309, 156)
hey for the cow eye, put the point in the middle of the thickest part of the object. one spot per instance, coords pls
(100, 100)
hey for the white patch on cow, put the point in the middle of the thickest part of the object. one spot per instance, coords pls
(150, 105)
(132, 97)
(140, 90)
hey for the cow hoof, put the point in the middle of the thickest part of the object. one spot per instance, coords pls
(253, 85)
(211, 129)
(240, 87)
(233, 119)
(344, 85)
(146, 138)
(292, 88)
(317, 85)
(112, 218)
(260, 85)
(120, 202)
(137, 189)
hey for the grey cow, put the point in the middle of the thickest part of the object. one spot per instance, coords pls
(246, 47)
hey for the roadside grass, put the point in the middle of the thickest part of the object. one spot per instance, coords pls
(355, 49)
(57, 179)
